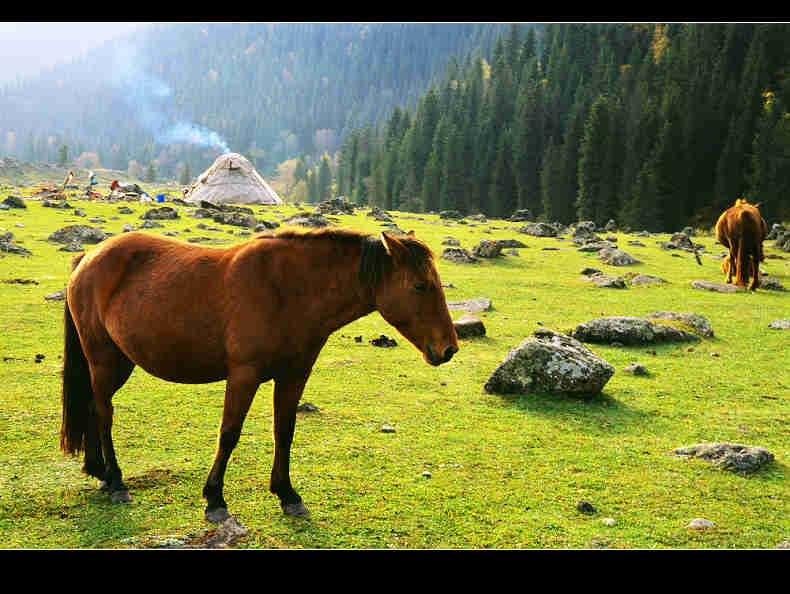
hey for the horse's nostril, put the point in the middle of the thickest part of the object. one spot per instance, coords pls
(449, 352)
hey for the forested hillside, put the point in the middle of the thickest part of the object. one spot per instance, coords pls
(179, 94)
(655, 126)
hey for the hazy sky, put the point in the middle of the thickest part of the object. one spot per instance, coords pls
(27, 47)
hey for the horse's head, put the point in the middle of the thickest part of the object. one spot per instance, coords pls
(410, 297)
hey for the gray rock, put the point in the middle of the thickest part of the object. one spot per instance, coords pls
(14, 202)
(646, 279)
(771, 284)
(308, 220)
(637, 369)
(236, 219)
(469, 326)
(607, 281)
(716, 287)
(538, 230)
(732, 456)
(629, 330)
(549, 361)
(80, 233)
(459, 255)
(616, 257)
(10, 247)
(487, 249)
(476, 304)
(161, 213)
(72, 246)
(697, 321)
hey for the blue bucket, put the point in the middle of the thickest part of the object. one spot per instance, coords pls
(160, 197)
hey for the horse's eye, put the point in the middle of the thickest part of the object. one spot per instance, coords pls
(421, 287)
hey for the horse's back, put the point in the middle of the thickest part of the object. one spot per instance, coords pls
(160, 302)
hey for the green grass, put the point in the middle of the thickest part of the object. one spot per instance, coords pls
(505, 471)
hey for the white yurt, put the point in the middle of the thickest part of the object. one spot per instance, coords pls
(232, 179)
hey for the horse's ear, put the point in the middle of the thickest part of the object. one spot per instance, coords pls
(410, 233)
(395, 248)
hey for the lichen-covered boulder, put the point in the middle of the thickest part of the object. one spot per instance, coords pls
(78, 233)
(732, 456)
(629, 330)
(549, 361)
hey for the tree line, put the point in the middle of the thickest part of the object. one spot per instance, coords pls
(656, 126)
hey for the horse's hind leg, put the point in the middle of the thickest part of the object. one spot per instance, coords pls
(109, 372)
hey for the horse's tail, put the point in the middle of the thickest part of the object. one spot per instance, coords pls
(77, 396)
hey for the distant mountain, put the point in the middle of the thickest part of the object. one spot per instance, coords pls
(178, 94)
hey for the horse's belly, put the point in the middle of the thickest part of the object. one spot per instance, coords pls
(172, 347)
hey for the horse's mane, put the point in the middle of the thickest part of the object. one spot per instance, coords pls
(375, 263)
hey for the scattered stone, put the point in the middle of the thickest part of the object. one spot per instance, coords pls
(56, 204)
(79, 233)
(780, 325)
(588, 271)
(307, 407)
(646, 279)
(700, 524)
(629, 330)
(14, 202)
(731, 456)
(72, 246)
(426, 474)
(451, 241)
(450, 214)
(150, 224)
(549, 361)
(511, 243)
(607, 281)
(384, 341)
(56, 296)
(585, 507)
(387, 429)
(637, 369)
(459, 255)
(20, 281)
(161, 213)
(10, 247)
(717, 287)
(236, 219)
(125, 210)
(697, 321)
(538, 230)
(616, 257)
(608, 521)
(477, 304)
(487, 249)
(771, 284)
(469, 326)
(308, 220)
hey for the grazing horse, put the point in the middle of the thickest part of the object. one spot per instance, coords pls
(742, 230)
(257, 311)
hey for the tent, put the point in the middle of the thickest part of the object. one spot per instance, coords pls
(232, 179)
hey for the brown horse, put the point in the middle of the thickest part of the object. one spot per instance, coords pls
(742, 230)
(256, 311)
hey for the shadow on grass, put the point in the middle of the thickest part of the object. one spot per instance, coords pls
(594, 413)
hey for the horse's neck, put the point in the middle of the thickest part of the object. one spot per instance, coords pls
(332, 281)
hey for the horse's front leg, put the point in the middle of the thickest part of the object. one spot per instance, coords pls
(287, 392)
(240, 389)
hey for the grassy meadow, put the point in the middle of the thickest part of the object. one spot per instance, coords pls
(463, 468)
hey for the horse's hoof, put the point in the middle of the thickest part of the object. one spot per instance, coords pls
(297, 510)
(120, 497)
(217, 515)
